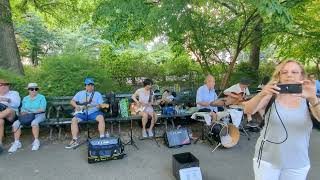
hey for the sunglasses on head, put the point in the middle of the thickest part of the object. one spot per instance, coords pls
(33, 89)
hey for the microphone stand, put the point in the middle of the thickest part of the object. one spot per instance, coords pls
(87, 124)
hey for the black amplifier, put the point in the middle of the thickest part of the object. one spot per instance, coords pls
(177, 137)
(104, 149)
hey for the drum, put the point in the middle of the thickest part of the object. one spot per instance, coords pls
(226, 134)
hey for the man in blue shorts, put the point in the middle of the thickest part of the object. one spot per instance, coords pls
(87, 104)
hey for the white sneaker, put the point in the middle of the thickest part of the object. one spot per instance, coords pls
(35, 145)
(15, 146)
(144, 134)
(107, 134)
(150, 132)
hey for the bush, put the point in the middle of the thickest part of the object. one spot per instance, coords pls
(62, 76)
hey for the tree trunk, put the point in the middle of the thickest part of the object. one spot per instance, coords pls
(34, 57)
(318, 67)
(255, 47)
(230, 69)
(9, 53)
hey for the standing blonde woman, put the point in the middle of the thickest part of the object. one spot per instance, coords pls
(281, 151)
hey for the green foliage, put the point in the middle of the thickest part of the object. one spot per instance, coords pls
(84, 40)
(36, 39)
(302, 42)
(123, 20)
(63, 76)
(276, 11)
(18, 83)
(243, 69)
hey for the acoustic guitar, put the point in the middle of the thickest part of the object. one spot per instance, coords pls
(237, 98)
(135, 108)
(83, 107)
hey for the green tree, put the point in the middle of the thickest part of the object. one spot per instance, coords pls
(36, 38)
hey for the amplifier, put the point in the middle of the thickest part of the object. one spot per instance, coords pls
(103, 149)
(177, 137)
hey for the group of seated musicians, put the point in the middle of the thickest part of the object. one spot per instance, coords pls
(88, 103)
(208, 101)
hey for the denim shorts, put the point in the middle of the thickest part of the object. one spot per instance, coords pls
(89, 117)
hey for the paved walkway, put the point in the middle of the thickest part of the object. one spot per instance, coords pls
(54, 162)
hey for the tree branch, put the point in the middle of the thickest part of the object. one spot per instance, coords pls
(232, 9)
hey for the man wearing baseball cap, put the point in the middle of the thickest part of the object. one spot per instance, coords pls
(240, 91)
(9, 104)
(90, 101)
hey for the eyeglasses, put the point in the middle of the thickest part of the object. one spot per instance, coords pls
(4, 84)
(33, 89)
(90, 84)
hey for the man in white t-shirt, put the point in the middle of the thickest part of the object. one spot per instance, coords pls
(9, 104)
(238, 93)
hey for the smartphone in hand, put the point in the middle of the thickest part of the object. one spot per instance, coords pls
(290, 88)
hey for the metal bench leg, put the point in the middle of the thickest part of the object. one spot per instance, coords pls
(59, 135)
(50, 134)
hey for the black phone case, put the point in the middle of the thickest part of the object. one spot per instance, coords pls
(290, 88)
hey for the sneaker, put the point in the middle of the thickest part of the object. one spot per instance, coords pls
(144, 134)
(1, 148)
(15, 146)
(35, 145)
(150, 133)
(107, 134)
(74, 143)
(252, 124)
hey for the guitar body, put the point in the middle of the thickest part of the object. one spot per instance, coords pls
(135, 108)
(235, 98)
(82, 108)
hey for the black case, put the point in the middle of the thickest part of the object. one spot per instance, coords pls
(104, 149)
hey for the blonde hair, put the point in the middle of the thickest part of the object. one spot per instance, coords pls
(276, 74)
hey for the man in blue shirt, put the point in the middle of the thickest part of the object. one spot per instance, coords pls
(313, 78)
(207, 98)
(87, 104)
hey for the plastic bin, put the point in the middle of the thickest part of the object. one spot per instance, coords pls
(182, 161)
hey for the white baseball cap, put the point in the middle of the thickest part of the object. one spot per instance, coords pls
(32, 85)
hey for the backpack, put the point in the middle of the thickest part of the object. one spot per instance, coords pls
(315, 122)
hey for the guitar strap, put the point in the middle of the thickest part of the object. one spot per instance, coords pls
(150, 96)
(91, 97)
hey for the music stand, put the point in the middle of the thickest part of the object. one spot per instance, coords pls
(131, 141)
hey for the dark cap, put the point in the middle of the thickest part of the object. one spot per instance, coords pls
(245, 81)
